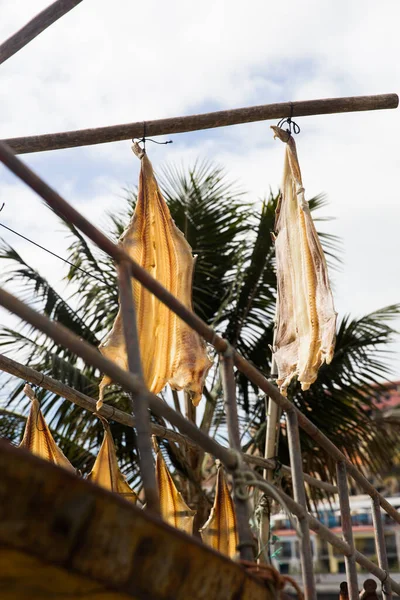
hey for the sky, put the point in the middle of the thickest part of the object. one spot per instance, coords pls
(107, 63)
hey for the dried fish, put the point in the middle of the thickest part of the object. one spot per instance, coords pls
(174, 509)
(37, 435)
(105, 470)
(219, 531)
(171, 352)
(306, 318)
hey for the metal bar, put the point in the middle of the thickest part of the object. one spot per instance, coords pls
(310, 592)
(350, 562)
(62, 335)
(35, 26)
(337, 542)
(140, 404)
(380, 543)
(272, 464)
(64, 391)
(61, 207)
(245, 538)
(223, 118)
(273, 412)
(190, 410)
(111, 413)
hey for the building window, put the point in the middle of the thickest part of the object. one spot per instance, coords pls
(284, 568)
(365, 545)
(390, 540)
(286, 550)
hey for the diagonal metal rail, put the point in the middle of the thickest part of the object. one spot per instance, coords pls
(63, 336)
(35, 27)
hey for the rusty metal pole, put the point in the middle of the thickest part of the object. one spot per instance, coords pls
(32, 29)
(299, 493)
(140, 403)
(246, 542)
(351, 572)
(68, 213)
(380, 543)
(273, 415)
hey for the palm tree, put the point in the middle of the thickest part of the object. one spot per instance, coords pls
(235, 292)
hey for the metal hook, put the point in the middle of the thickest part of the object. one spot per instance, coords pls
(293, 128)
(144, 139)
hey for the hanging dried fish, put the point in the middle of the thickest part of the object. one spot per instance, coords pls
(105, 470)
(219, 531)
(171, 352)
(174, 509)
(306, 318)
(37, 435)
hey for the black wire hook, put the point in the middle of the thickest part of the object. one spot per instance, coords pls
(293, 128)
(144, 139)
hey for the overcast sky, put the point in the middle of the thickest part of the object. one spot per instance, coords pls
(106, 63)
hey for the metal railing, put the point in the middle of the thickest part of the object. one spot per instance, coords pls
(142, 399)
(132, 381)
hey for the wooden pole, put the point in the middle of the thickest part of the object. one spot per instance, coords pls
(35, 27)
(223, 118)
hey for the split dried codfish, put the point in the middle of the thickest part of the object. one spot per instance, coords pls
(171, 352)
(37, 436)
(306, 318)
(219, 531)
(174, 509)
(105, 470)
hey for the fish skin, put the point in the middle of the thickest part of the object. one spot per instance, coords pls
(105, 471)
(171, 352)
(38, 438)
(174, 509)
(306, 318)
(220, 530)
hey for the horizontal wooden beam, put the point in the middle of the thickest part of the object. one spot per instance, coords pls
(36, 26)
(223, 118)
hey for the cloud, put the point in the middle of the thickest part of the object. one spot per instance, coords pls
(107, 63)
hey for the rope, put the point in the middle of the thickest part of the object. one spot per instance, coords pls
(269, 575)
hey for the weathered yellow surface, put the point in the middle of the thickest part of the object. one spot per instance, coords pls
(306, 318)
(220, 530)
(62, 532)
(25, 577)
(171, 352)
(37, 436)
(105, 470)
(174, 509)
